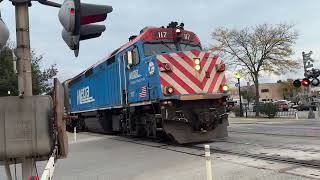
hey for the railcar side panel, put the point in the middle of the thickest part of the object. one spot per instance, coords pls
(97, 88)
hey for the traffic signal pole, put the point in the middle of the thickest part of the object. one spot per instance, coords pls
(24, 68)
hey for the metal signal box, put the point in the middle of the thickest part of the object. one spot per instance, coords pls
(26, 127)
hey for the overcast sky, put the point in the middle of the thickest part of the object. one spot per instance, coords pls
(199, 16)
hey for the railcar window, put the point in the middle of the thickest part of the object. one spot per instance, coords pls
(135, 56)
(158, 48)
(189, 47)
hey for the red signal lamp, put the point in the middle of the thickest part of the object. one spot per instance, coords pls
(72, 11)
(305, 82)
(93, 18)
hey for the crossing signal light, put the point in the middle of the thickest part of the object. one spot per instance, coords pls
(297, 83)
(315, 82)
(77, 18)
(305, 82)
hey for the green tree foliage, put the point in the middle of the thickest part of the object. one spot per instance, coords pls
(268, 109)
(289, 91)
(41, 77)
(8, 78)
(254, 50)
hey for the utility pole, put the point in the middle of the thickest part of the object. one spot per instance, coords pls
(23, 49)
(24, 68)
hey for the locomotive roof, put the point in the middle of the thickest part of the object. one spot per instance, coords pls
(146, 34)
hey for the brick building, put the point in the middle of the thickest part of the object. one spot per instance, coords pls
(268, 92)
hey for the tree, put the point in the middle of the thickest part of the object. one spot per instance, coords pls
(263, 48)
(248, 94)
(8, 78)
(288, 90)
(41, 78)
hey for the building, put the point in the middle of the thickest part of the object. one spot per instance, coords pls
(269, 92)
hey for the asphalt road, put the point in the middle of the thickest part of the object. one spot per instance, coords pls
(103, 157)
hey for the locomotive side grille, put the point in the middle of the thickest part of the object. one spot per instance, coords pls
(185, 78)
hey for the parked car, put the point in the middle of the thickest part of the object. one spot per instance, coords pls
(306, 107)
(282, 105)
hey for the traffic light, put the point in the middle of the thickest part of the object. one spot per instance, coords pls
(315, 82)
(77, 18)
(4, 33)
(297, 83)
(305, 82)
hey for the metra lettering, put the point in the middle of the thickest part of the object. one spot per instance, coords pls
(134, 75)
(83, 96)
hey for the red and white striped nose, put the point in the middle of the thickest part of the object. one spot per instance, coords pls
(192, 72)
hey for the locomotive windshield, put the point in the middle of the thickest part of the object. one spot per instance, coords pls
(168, 47)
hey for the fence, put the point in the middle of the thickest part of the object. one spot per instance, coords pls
(251, 112)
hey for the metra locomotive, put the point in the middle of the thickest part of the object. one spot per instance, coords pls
(160, 83)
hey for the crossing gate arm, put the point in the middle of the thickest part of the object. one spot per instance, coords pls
(48, 171)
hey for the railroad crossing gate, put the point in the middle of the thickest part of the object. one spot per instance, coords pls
(59, 122)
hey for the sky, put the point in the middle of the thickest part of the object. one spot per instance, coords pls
(199, 16)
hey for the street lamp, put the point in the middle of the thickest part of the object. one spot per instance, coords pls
(238, 76)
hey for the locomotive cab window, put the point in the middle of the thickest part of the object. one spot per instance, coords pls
(154, 48)
(133, 57)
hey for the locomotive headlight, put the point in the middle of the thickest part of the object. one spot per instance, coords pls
(197, 61)
(178, 30)
(225, 88)
(197, 67)
(169, 90)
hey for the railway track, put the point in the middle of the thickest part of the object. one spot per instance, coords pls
(270, 146)
(273, 134)
(200, 151)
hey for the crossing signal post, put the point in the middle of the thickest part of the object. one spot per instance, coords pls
(311, 78)
(77, 20)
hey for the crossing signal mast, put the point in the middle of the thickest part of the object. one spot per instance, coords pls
(310, 78)
(77, 20)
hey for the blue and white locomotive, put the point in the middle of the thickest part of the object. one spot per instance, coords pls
(159, 84)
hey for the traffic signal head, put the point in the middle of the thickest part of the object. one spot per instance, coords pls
(297, 83)
(315, 82)
(76, 19)
(4, 34)
(305, 82)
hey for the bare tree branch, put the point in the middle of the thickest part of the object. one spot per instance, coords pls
(265, 47)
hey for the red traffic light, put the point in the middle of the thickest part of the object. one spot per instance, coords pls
(305, 82)
(72, 11)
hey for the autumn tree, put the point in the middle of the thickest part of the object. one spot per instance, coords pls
(265, 48)
(41, 77)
